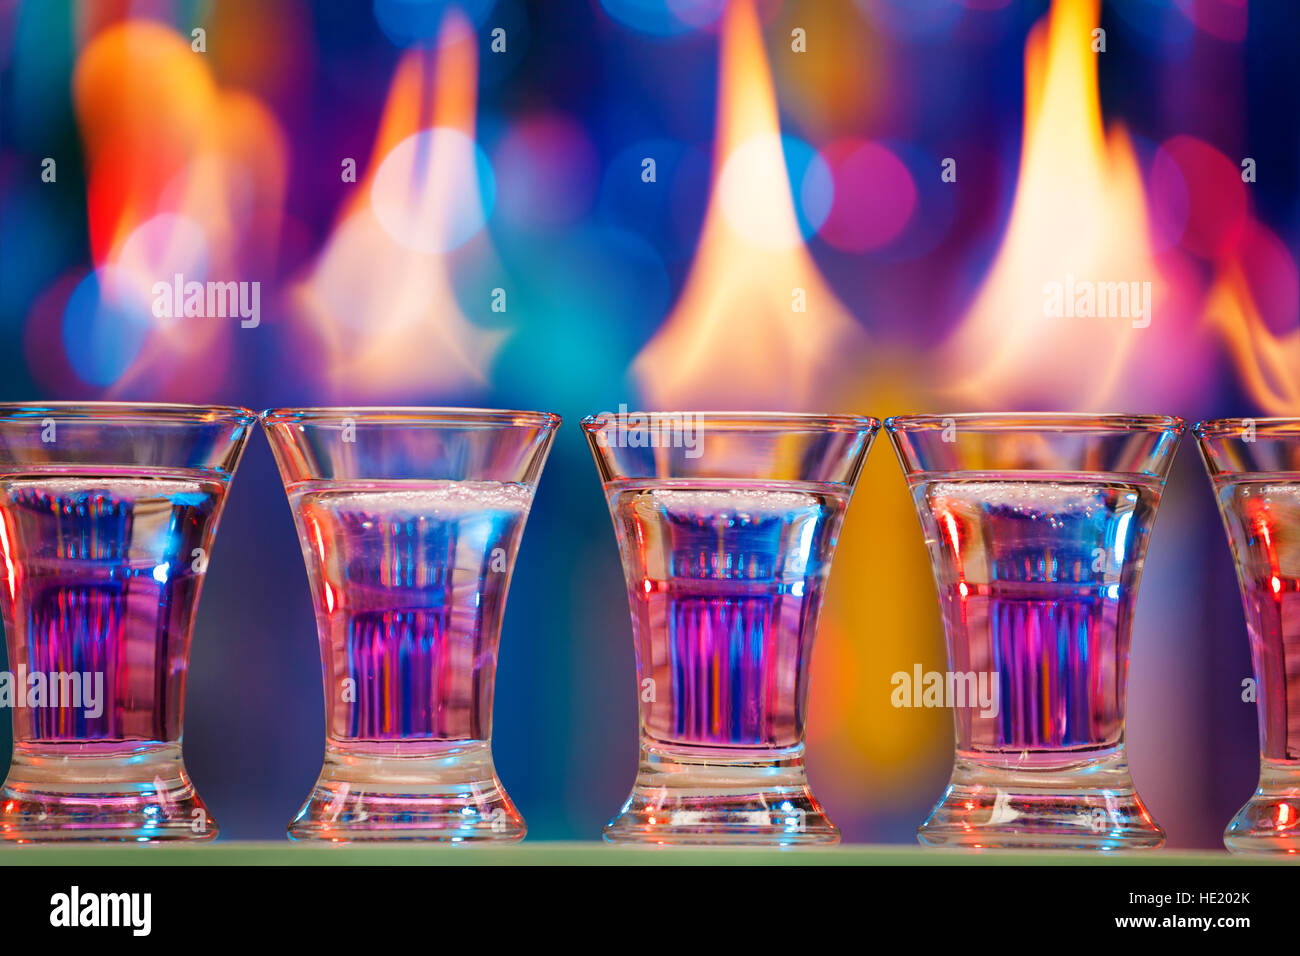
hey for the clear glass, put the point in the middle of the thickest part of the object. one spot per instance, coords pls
(1254, 466)
(1037, 527)
(726, 524)
(107, 518)
(410, 520)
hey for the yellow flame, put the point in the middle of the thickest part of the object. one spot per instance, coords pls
(384, 309)
(1268, 363)
(756, 324)
(1078, 223)
(410, 107)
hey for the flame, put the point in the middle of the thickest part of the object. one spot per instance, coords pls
(181, 172)
(737, 335)
(6, 549)
(379, 299)
(1079, 217)
(1268, 363)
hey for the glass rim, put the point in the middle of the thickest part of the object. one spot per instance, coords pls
(143, 412)
(740, 421)
(411, 415)
(1037, 422)
(1275, 426)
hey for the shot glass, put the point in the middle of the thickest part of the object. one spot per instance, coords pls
(1037, 528)
(107, 518)
(410, 520)
(726, 524)
(1254, 466)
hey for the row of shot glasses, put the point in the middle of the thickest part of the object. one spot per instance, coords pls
(410, 520)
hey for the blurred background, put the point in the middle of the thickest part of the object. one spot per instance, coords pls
(791, 204)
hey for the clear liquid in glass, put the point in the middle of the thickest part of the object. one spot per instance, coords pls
(99, 584)
(409, 581)
(1037, 579)
(1262, 514)
(725, 581)
(101, 577)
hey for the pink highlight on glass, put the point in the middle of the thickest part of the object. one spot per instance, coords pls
(1037, 527)
(410, 521)
(726, 524)
(1254, 467)
(108, 514)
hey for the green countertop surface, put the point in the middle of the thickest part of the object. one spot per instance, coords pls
(544, 853)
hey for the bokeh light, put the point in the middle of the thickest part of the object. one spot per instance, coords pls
(811, 184)
(1222, 19)
(875, 196)
(664, 18)
(697, 13)
(434, 190)
(1170, 199)
(1272, 276)
(162, 246)
(936, 207)
(1216, 196)
(768, 162)
(105, 324)
(521, 172)
(547, 172)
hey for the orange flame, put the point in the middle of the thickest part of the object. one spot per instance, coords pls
(1076, 250)
(380, 297)
(756, 324)
(1267, 362)
(181, 172)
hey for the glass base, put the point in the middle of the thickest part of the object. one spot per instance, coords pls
(1085, 804)
(453, 796)
(710, 800)
(1270, 820)
(142, 797)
